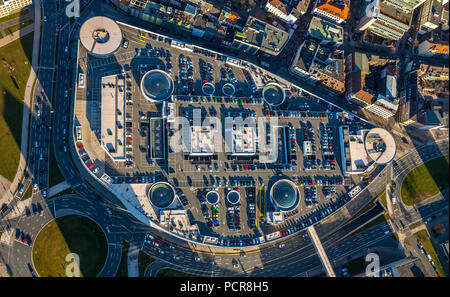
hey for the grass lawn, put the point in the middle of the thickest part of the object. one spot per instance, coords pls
(15, 15)
(425, 181)
(17, 27)
(167, 272)
(122, 271)
(70, 234)
(144, 260)
(424, 238)
(17, 55)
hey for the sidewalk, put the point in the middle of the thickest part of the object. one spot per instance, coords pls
(27, 99)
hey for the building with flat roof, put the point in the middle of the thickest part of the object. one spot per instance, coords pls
(380, 146)
(113, 116)
(158, 138)
(161, 195)
(361, 98)
(273, 94)
(240, 137)
(325, 31)
(260, 36)
(244, 141)
(156, 85)
(177, 221)
(332, 10)
(431, 73)
(307, 148)
(284, 195)
(356, 69)
(8, 7)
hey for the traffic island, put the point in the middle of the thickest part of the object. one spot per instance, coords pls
(66, 235)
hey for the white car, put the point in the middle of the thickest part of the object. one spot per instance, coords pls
(281, 245)
(197, 259)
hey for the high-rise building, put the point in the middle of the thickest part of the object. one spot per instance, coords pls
(9, 6)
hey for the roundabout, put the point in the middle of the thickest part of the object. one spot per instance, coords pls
(63, 236)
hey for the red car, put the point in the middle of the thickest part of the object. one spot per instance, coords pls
(80, 146)
(129, 139)
(91, 165)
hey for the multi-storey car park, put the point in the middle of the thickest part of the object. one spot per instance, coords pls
(211, 148)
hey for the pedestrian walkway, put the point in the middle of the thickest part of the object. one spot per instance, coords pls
(320, 251)
(58, 188)
(132, 261)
